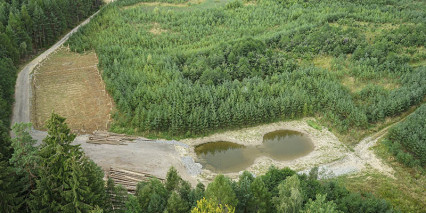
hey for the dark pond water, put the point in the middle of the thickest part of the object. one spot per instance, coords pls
(223, 157)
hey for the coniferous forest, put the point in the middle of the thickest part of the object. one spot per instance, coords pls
(407, 140)
(212, 66)
(185, 69)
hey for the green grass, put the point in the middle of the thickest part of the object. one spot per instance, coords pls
(406, 192)
(314, 124)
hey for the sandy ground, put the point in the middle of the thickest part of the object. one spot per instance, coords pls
(330, 155)
(149, 157)
(361, 158)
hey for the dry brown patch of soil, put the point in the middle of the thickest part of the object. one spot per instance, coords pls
(70, 85)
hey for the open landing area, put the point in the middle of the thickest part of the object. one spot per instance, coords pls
(70, 85)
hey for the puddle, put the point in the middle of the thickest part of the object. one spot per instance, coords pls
(225, 157)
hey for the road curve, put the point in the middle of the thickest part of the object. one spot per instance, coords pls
(21, 108)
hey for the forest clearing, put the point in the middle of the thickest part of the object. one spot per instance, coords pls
(70, 85)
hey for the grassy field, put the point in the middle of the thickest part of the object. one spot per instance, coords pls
(70, 85)
(405, 191)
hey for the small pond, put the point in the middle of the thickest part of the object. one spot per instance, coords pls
(224, 157)
(286, 145)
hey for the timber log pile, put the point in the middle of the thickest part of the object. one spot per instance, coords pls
(103, 137)
(129, 179)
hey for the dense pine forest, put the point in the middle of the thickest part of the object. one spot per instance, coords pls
(217, 65)
(407, 140)
(183, 69)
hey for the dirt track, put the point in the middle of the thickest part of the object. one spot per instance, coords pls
(21, 108)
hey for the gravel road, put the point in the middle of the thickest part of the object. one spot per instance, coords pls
(22, 106)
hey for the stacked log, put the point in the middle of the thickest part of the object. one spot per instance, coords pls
(129, 179)
(103, 137)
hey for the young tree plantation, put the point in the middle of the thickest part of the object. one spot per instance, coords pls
(215, 67)
(187, 68)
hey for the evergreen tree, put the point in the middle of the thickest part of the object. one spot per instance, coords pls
(152, 196)
(175, 204)
(196, 194)
(25, 155)
(116, 197)
(243, 192)
(8, 194)
(16, 30)
(9, 200)
(8, 51)
(26, 20)
(172, 179)
(64, 174)
(132, 205)
(25, 161)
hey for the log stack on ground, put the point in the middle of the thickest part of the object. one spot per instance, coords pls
(129, 179)
(103, 137)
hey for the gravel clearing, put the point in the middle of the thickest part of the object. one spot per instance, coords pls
(331, 156)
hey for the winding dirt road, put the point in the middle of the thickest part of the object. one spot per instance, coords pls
(22, 106)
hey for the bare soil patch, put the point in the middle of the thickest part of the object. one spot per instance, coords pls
(140, 156)
(70, 85)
